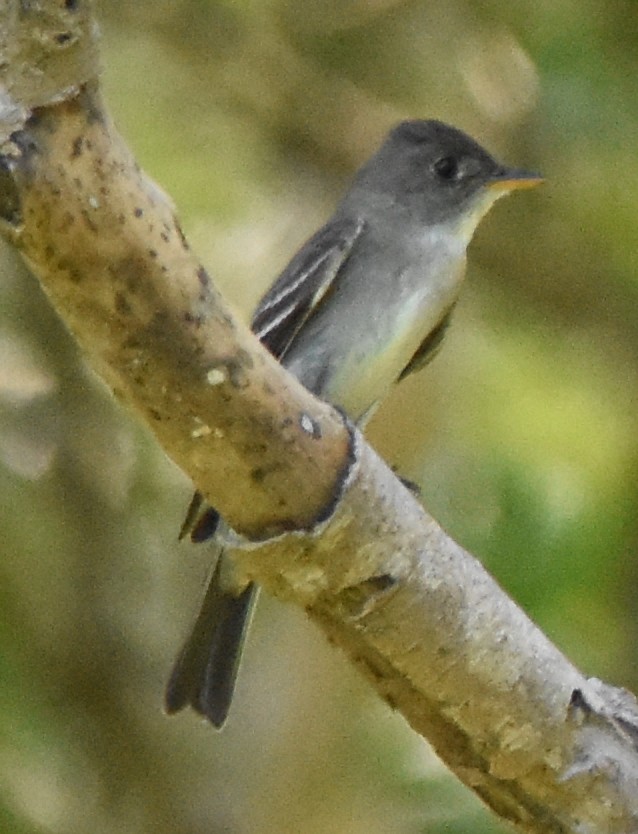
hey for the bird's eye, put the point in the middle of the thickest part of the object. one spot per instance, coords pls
(447, 168)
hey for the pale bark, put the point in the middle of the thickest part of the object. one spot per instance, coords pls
(545, 747)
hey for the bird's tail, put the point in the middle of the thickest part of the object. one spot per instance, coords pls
(205, 671)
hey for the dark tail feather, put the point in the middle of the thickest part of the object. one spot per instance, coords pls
(205, 672)
(199, 525)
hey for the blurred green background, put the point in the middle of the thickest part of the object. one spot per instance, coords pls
(252, 114)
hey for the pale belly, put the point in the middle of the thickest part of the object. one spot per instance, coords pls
(362, 381)
(366, 373)
(352, 356)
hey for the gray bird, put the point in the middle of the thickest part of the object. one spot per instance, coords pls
(365, 302)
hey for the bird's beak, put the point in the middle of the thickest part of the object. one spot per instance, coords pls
(512, 179)
(502, 183)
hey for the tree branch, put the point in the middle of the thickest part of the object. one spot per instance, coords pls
(543, 746)
(110, 254)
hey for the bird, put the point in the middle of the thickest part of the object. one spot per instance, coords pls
(363, 304)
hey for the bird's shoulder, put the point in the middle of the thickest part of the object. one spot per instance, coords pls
(303, 284)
